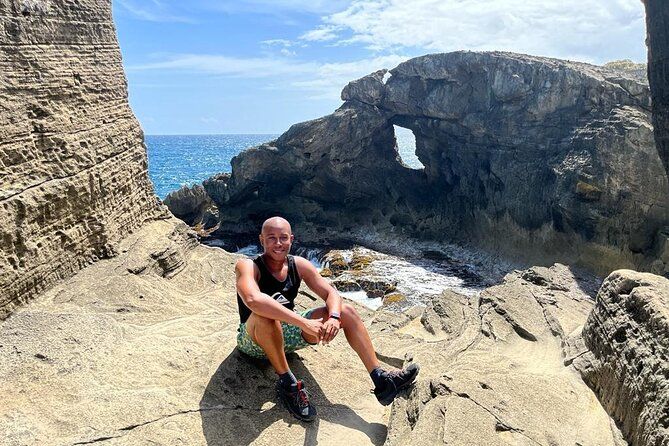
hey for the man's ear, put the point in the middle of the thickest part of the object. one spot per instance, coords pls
(261, 240)
(292, 238)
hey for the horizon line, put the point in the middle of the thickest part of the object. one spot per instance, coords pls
(206, 134)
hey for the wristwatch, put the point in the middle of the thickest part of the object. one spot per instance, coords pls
(335, 315)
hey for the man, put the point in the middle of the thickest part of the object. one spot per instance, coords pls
(266, 290)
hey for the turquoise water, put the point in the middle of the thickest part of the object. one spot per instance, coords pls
(176, 160)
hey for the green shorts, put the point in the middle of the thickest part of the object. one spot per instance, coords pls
(292, 338)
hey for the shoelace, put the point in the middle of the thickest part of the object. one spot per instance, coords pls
(302, 396)
(391, 374)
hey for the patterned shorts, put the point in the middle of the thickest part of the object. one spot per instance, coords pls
(292, 338)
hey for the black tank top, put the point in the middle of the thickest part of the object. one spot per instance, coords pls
(283, 292)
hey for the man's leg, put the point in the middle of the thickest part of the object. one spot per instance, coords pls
(355, 331)
(387, 383)
(267, 333)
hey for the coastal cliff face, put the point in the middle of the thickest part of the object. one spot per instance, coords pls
(627, 335)
(537, 158)
(73, 177)
(657, 26)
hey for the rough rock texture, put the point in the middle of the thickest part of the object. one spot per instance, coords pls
(638, 71)
(192, 205)
(495, 369)
(73, 170)
(628, 367)
(133, 351)
(539, 158)
(657, 26)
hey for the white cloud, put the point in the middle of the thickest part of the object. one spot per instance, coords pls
(591, 30)
(321, 80)
(329, 79)
(254, 67)
(277, 42)
(322, 33)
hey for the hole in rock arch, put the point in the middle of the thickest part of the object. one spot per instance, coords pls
(406, 147)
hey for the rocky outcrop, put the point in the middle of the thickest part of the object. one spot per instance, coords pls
(495, 367)
(538, 158)
(73, 176)
(628, 364)
(193, 206)
(657, 26)
(637, 71)
(134, 351)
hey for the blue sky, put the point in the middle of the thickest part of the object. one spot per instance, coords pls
(258, 66)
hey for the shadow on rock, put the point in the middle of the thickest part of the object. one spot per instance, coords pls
(240, 403)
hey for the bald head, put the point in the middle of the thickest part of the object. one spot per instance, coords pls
(276, 223)
(276, 237)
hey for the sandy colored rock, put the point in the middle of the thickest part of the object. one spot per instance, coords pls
(73, 176)
(129, 352)
(498, 377)
(628, 363)
(131, 355)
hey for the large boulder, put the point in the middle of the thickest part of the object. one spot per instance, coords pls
(627, 334)
(192, 205)
(543, 159)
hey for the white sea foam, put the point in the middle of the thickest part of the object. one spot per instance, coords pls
(362, 298)
(417, 279)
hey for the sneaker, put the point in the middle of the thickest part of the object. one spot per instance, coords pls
(394, 381)
(296, 401)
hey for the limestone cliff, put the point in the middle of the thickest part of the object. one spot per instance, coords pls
(657, 26)
(627, 334)
(73, 176)
(538, 158)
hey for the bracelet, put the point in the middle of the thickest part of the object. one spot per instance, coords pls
(335, 316)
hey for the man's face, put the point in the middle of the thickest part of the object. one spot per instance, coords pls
(276, 240)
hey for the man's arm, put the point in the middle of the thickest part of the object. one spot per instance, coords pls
(262, 304)
(325, 291)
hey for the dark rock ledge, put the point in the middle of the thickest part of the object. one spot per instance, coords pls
(539, 159)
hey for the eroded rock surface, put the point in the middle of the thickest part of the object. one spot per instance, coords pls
(193, 206)
(125, 354)
(657, 27)
(73, 176)
(129, 352)
(628, 367)
(541, 159)
(495, 372)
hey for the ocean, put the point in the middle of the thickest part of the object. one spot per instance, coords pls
(176, 160)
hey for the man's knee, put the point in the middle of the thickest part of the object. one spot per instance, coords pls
(349, 316)
(260, 326)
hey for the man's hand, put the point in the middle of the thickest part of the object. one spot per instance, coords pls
(313, 327)
(330, 329)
